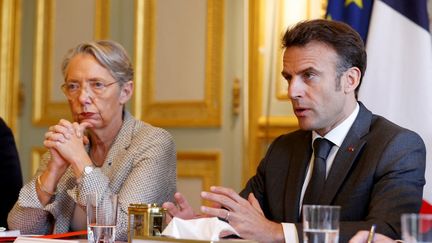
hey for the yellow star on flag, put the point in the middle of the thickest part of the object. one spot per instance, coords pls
(359, 3)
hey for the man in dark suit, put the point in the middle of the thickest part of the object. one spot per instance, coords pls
(374, 169)
(10, 172)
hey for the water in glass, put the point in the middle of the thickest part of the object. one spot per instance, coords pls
(320, 236)
(101, 233)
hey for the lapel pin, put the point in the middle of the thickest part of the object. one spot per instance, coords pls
(351, 149)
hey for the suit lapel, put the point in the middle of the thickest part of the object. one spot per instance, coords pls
(346, 156)
(299, 160)
(115, 159)
(340, 169)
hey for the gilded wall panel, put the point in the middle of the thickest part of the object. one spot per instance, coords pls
(196, 172)
(179, 63)
(10, 27)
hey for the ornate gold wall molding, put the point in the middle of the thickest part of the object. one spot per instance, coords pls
(255, 67)
(10, 36)
(45, 110)
(199, 164)
(102, 19)
(204, 166)
(271, 127)
(177, 113)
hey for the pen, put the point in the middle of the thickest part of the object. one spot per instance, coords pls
(371, 234)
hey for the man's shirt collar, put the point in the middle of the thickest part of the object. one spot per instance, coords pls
(338, 134)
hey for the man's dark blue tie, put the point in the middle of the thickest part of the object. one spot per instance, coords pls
(321, 147)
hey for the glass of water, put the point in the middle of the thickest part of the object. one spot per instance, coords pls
(320, 223)
(101, 218)
(416, 228)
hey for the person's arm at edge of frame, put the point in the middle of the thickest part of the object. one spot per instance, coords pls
(11, 171)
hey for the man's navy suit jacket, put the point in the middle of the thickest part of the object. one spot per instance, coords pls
(377, 175)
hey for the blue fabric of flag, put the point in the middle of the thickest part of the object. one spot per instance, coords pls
(414, 10)
(356, 13)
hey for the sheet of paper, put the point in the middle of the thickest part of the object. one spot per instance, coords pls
(42, 240)
(9, 233)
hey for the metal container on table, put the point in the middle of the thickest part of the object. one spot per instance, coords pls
(145, 220)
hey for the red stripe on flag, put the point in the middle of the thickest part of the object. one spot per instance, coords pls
(426, 208)
(426, 224)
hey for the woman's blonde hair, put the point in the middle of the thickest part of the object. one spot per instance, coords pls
(109, 54)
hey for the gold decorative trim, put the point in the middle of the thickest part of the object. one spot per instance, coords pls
(255, 74)
(204, 166)
(102, 19)
(281, 90)
(36, 156)
(180, 113)
(236, 97)
(46, 111)
(271, 127)
(323, 7)
(10, 32)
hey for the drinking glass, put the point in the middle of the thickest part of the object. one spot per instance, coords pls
(320, 224)
(101, 218)
(416, 228)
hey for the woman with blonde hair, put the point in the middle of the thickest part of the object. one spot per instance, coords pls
(103, 150)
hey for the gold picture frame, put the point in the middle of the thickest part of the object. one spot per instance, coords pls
(10, 29)
(202, 165)
(178, 113)
(47, 111)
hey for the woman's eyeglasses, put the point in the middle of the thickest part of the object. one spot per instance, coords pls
(73, 89)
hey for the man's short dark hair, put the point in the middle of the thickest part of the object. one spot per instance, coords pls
(341, 37)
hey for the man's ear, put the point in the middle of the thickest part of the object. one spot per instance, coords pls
(126, 92)
(351, 79)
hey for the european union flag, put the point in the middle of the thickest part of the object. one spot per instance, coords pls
(353, 12)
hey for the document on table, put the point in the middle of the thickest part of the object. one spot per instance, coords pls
(162, 239)
(22, 239)
(9, 233)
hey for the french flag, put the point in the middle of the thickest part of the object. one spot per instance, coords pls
(398, 80)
